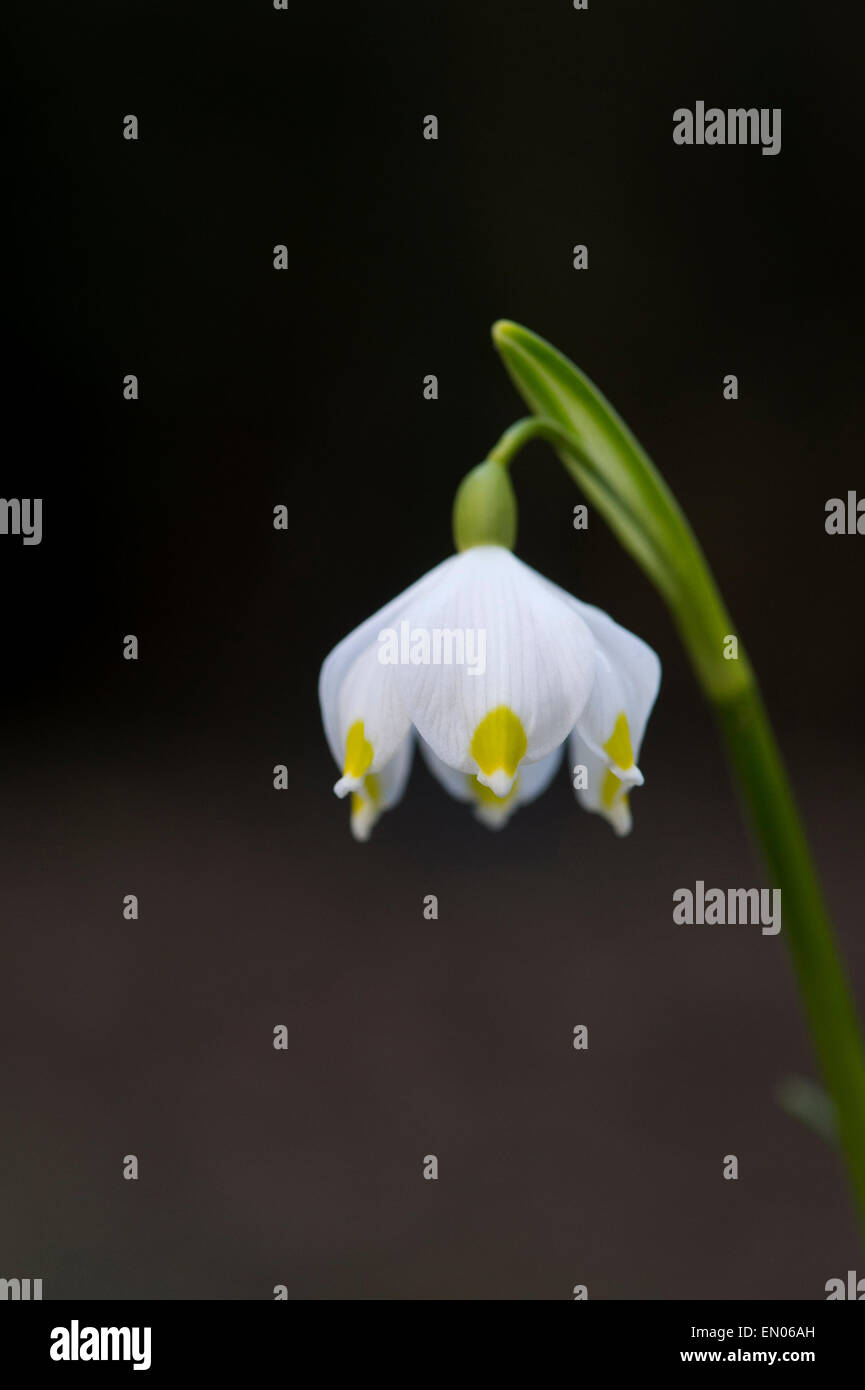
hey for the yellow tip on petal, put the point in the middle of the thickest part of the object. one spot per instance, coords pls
(483, 795)
(615, 803)
(491, 810)
(618, 745)
(365, 807)
(498, 745)
(358, 751)
(610, 790)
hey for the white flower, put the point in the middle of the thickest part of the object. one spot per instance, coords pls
(554, 670)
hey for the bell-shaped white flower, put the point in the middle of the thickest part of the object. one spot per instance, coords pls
(495, 668)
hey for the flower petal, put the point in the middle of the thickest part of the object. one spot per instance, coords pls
(457, 784)
(531, 780)
(338, 663)
(380, 791)
(532, 674)
(609, 733)
(371, 720)
(536, 777)
(362, 711)
(628, 676)
(604, 792)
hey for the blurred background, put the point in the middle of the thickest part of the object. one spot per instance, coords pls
(406, 1037)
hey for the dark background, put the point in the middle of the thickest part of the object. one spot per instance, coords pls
(408, 1037)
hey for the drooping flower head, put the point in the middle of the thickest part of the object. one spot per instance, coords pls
(495, 670)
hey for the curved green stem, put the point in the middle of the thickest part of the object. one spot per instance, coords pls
(520, 434)
(618, 477)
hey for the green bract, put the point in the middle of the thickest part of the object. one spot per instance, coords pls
(619, 478)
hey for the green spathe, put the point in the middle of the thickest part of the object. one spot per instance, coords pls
(619, 478)
(614, 471)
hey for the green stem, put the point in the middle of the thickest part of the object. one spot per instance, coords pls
(520, 434)
(820, 975)
(674, 561)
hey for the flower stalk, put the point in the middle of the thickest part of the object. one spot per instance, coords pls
(614, 472)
